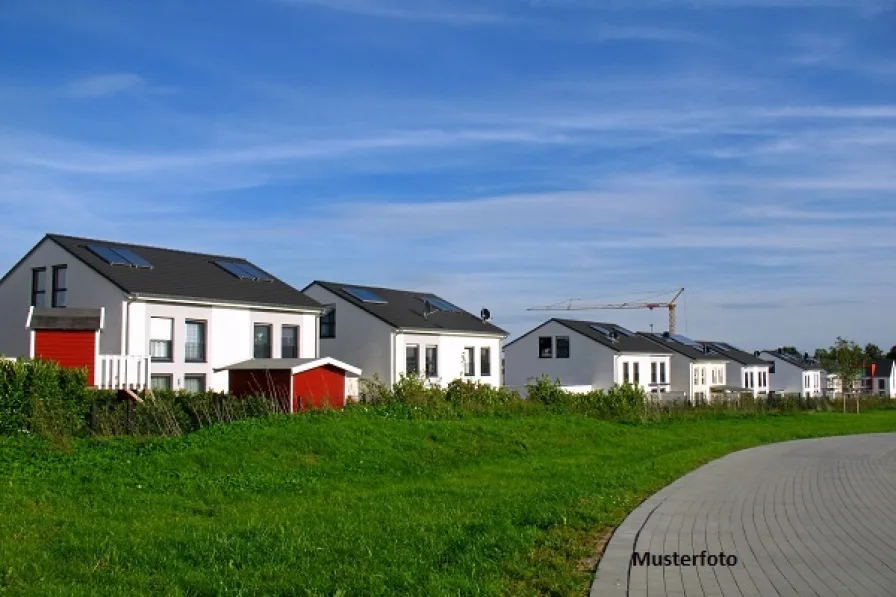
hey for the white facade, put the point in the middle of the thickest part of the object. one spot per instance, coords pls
(589, 365)
(884, 386)
(754, 378)
(128, 327)
(381, 350)
(704, 375)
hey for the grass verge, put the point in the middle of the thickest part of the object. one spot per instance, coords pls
(352, 503)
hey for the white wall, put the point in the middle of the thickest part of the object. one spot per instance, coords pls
(750, 377)
(522, 364)
(86, 289)
(814, 383)
(229, 337)
(361, 339)
(451, 356)
(644, 371)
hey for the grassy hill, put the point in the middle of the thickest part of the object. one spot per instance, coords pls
(351, 503)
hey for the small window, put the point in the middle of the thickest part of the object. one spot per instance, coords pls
(161, 383)
(262, 341)
(60, 285)
(562, 347)
(432, 361)
(636, 372)
(194, 383)
(328, 324)
(194, 345)
(469, 361)
(703, 376)
(161, 330)
(662, 372)
(289, 345)
(752, 380)
(485, 361)
(881, 384)
(625, 373)
(39, 287)
(653, 376)
(696, 376)
(545, 347)
(746, 379)
(412, 359)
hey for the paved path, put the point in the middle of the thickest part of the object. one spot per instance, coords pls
(809, 517)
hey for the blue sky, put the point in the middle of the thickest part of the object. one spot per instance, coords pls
(503, 153)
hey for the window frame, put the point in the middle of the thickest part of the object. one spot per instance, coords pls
(485, 361)
(550, 349)
(36, 273)
(636, 373)
(663, 372)
(56, 290)
(407, 359)
(168, 376)
(170, 343)
(296, 329)
(204, 326)
(469, 361)
(654, 367)
(328, 319)
(270, 344)
(626, 372)
(200, 376)
(557, 343)
(431, 371)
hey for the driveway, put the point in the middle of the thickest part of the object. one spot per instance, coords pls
(809, 517)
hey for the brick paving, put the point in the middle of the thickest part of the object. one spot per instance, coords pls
(809, 517)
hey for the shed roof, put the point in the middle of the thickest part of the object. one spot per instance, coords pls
(292, 365)
(44, 318)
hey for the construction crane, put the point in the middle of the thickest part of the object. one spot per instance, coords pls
(569, 306)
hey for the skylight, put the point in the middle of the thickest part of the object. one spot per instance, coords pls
(365, 295)
(119, 256)
(441, 304)
(244, 271)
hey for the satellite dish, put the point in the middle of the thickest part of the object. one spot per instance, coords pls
(485, 315)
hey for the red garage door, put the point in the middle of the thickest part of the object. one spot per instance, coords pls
(320, 387)
(69, 348)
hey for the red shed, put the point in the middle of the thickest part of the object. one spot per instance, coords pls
(71, 337)
(301, 383)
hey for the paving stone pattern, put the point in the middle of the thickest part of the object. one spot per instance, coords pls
(809, 517)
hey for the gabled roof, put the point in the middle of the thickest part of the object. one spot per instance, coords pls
(695, 354)
(623, 343)
(883, 367)
(184, 275)
(735, 354)
(292, 365)
(796, 360)
(403, 309)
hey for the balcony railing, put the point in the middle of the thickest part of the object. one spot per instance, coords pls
(122, 372)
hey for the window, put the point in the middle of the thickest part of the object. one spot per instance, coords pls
(636, 372)
(60, 285)
(653, 372)
(545, 347)
(289, 345)
(412, 359)
(702, 376)
(39, 287)
(881, 384)
(696, 375)
(752, 380)
(562, 347)
(746, 379)
(469, 361)
(262, 341)
(328, 324)
(662, 372)
(432, 361)
(713, 374)
(763, 376)
(194, 383)
(161, 330)
(625, 375)
(485, 361)
(194, 345)
(160, 383)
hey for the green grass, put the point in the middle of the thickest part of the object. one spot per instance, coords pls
(351, 503)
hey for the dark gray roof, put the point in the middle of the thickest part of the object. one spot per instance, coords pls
(403, 309)
(883, 367)
(185, 275)
(682, 349)
(796, 361)
(65, 319)
(266, 364)
(735, 354)
(623, 343)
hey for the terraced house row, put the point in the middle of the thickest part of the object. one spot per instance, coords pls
(140, 317)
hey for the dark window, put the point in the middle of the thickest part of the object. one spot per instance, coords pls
(60, 285)
(746, 379)
(432, 361)
(194, 383)
(545, 347)
(562, 347)
(636, 372)
(289, 345)
(662, 372)
(625, 375)
(161, 331)
(39, 287)
(881, 384)
(653, 372)
(328, 324)
(262, 341)
(485, 361)
(160, 383)
(412, 359)
(194, 345)
(469, 361)
(752, 380)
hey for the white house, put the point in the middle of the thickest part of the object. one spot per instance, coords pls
(177, 314)
(696, 371)
(794, 374)
(882, 377)
(746, 371)
(585, 356)
(390, 333)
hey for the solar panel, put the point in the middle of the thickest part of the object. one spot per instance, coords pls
(254, 272)
(441, 304)
(235, 270)
(132, 257)
(108, 255)
(684, 340)
(363, 294)
(600, 329)
(624, 331)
